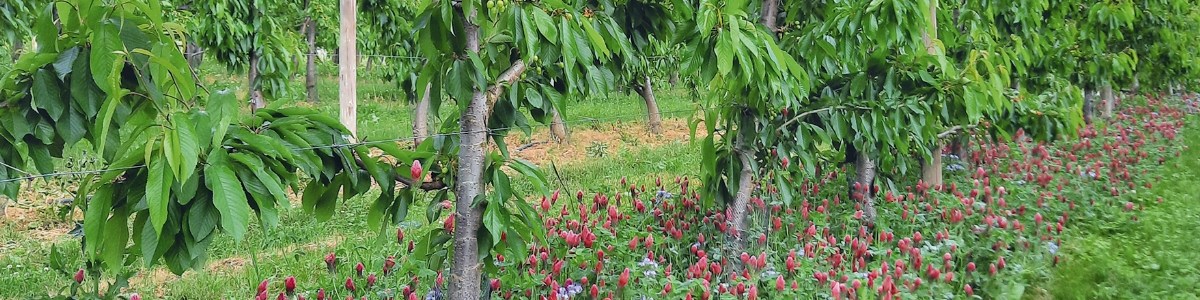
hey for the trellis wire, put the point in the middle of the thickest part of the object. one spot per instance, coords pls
(583, 120)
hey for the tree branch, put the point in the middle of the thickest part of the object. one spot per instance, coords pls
(436, 184)
(954, 130)
(805, 114)
(508, 77)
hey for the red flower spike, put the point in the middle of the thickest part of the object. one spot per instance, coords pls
(262, 287)
(416, 171)
(290, 285)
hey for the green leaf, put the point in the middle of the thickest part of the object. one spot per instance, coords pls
(71, 127)
(189, 147)
(45, 31)
(148, 239)
(116, 237)
(47, 94)
(545, 25)
(222, 106)
(65, 62)
(228, 196)
(106, 55)
(41, 158)
(158, 192)
(785, 190)
(94, 217)
(494, 219)
(86, 95)
(724, 54)
(202, 219)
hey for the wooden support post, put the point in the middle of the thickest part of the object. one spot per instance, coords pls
(348, 66)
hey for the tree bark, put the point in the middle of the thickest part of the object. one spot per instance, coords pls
(1087, 106)
(770, 13)
(3, 206)
(1137, 85)
(421, 117)
(959, 147)
(741, 201)
(256, 96)
(558, 127)
(348, 69)
(654, 117)
(674, 80)
(17, 47)
(864, 168)
(466, 270)
(195, 55)
(1110, 100)
(310, 67)
(931, 169)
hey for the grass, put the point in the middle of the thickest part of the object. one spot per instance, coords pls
(1153, 258)
(297, 246)
(385, 112)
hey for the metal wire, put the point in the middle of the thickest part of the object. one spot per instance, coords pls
(73, 173)
(583, 120)
(565, 122)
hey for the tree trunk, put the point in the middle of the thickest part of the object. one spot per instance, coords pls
(959, 147)
(741, 201)
(17, 47)
(195, 55)
(558, 127)
(654, 117)
(864, 168)
(1087, 106)
(256, 96)
(348, 69)
(3, 206)
(466, 269)
(1109, 100)
(421, 118)
(674, 78)
(931, 169)
(770, 12)
(1137, 85)
(310, 67)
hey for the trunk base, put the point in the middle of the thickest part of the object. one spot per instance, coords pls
(864, 168)
(558, 128)
(931, 169)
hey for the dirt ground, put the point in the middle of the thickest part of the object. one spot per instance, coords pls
(541, 149)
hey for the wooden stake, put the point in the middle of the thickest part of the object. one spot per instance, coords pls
(348, 66)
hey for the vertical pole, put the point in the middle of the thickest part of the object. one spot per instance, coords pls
(348, 66)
